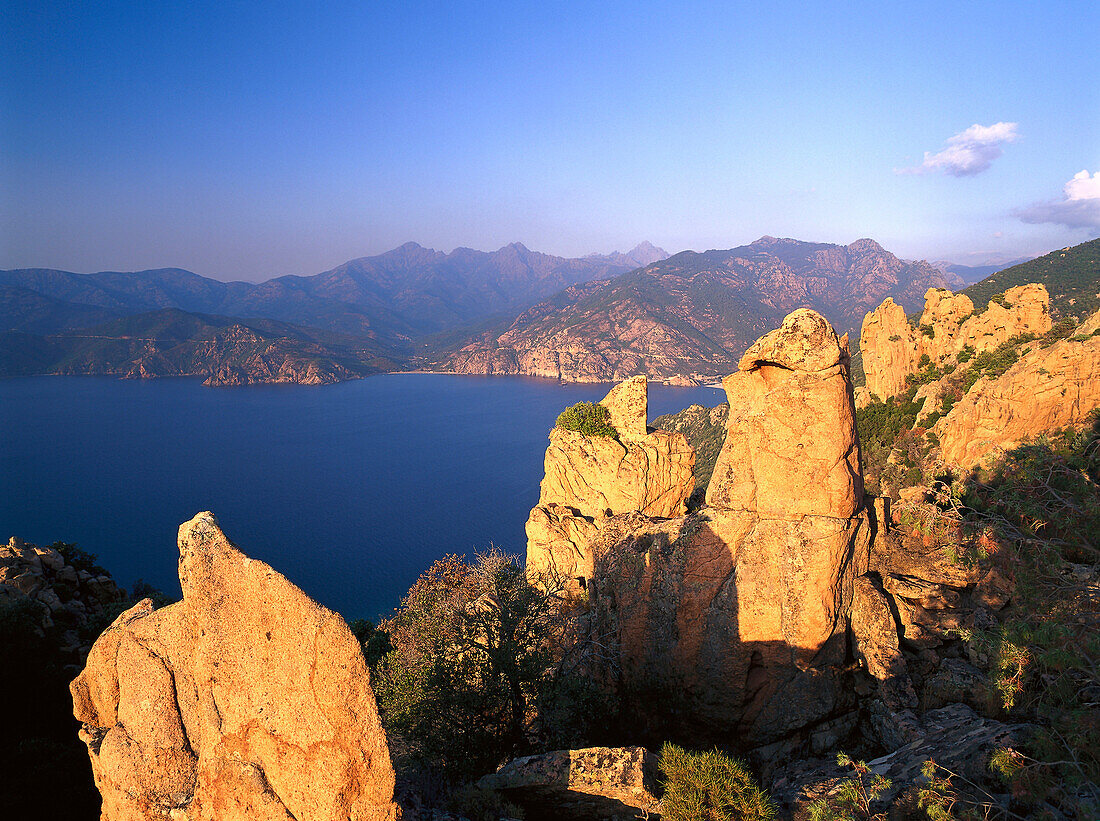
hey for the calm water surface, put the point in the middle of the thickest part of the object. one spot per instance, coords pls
(351, 490)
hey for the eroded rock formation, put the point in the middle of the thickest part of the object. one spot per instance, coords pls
(737, 615)
(892, 348)
(1048, 388)
(246, 700)
(589, 478)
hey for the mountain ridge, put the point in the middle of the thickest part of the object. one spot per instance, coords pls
(690, 316)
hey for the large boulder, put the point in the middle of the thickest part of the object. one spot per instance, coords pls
(246, 700)
(733, 621)
(1048, 388)
(590, 478)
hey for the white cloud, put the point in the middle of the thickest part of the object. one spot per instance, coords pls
(969, 152)
(1078, 208)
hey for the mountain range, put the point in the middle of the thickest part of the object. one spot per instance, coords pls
(512, 311)
(364, 314)
(692, 315)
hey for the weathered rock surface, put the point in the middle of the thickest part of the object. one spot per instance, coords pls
(736, 616)
(892, 348)
(593, 783)
(1048, 388)
(628, 406)
(247, 700)
(790, 447)
(589, 478)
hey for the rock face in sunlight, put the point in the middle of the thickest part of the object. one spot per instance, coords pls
(589, 478)
(889, 345)
(1048, 388)
(736, 615)
(892, 348)
(246, 700)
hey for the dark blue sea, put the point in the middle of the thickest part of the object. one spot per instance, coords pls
(350, 490)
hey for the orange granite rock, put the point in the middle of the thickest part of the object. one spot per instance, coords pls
(246, 700)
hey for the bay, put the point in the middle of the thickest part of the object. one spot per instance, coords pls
(350, 490)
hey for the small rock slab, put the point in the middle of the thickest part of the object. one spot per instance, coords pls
(584, 785)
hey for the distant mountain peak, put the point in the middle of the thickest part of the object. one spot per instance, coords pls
(866, 246)
(642, 254)
(645, 253)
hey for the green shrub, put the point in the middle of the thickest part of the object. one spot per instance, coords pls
(880, 425)
(966, 354)
(1062, 329)
(374, 641)
(710, 786)
(589, 418)
(855, 796)
(79, 558)
(994, 363)
(471, 644)
(1041, 504)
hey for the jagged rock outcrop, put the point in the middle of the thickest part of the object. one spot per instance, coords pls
(737, 615)
(67, 596)
(246, 700)
(596, 782)
(892, 349)
(889, 345)
(589, 478)
(1048, 388)
(791, 446)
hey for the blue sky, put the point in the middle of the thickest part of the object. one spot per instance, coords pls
(248, 140)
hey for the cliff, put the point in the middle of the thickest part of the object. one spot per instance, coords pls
(740, 610)
(893, 349)
(1046, 389)
(246, 700)
(738, 613)
(170, 342)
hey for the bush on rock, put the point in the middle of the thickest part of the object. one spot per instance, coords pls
(589, 418)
